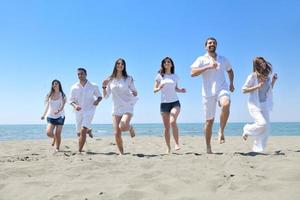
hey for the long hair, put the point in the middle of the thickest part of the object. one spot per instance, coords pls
(124, 72)
(52, 90)
(162, 69)
(257, 68)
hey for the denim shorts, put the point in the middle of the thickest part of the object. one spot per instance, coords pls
(167, 107)
(57, 121)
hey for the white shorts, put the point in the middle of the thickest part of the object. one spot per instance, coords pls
(121, 110)
(210, 104)
(84, 119)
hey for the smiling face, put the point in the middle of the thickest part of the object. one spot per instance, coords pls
(120, 65)
(81, 75)
(211, 45)
(261, 66)
(168, 65)
(55, 86)
(262, 63)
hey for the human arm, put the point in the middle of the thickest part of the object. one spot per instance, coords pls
(158, 83)
(177, 89)
(231, 77)
(46, 110)
(97, 101)
(98, 95)
(196, 71)
(253, 88)
(274, 79)
(132, 87)
(157, 86)
(106, 88)
(73, 101)
(75, 106)
(181, 90)
(64, 100)
(251, 85)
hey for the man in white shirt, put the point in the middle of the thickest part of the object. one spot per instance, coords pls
(212, 67)
(85, 96)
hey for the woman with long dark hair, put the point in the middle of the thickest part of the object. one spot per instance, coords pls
(166, 81)
(54, 111)
(121, 86)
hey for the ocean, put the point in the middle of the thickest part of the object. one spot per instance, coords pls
(34, 132)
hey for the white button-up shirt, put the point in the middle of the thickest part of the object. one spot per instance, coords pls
(253, 102)
(213, 79)
(85, 95)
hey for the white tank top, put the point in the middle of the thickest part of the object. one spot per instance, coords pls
(54, 105)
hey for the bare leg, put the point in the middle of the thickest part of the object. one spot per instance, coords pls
(208, 132)
(166, 120)
(50, 134)
(225, 109)
(125, 124)
(118, 134)
(173, 121)
(58, 136)
(82, 138)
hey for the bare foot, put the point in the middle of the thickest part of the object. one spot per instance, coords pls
(121, 153)
(177, 147)
(90, 133)
(208, 150)
(168, 151)
(221, 137)
(245, 137)
(132, 132)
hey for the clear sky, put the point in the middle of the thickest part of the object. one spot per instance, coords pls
(46, 40)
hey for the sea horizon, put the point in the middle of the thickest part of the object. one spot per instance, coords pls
(37, 131)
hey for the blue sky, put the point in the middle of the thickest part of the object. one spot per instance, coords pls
(46, 40)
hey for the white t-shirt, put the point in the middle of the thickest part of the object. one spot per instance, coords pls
(168, 92)
(85, 95)
(213, 79)
(121, 91)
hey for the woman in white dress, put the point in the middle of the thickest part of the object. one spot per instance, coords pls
(259, 86)
(166, 81)
(54, 111)
(124, 95)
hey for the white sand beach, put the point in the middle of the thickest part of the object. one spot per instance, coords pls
(31, 170)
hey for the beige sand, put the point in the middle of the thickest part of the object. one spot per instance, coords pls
(30, 170)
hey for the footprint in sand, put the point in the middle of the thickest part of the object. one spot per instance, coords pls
(279, 152)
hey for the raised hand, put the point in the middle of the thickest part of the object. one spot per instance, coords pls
(105, 83)
(275, 77)
(231, 87)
